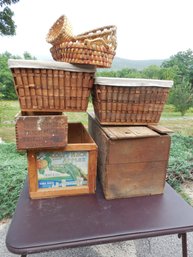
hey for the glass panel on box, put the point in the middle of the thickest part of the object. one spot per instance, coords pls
(62, 169)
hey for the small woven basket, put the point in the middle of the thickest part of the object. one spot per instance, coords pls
(96, 47)
(129, 101)
(60, 31)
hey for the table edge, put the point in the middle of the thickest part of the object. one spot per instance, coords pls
(97, 241)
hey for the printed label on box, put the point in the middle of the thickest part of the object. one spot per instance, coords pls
(62, 169)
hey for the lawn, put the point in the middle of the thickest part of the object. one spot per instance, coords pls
(169, 118)
(9, 109)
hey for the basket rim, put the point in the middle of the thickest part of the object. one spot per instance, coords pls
(132, 82)
(103, 31)
(53, 65)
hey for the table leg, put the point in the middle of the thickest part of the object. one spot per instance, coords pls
(184, 244)
(24, 255)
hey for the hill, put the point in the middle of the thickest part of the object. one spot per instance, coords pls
(121, 63)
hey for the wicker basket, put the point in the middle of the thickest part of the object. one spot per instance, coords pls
(129, 101)
(96, 47)
(52, 86)
(60, 31)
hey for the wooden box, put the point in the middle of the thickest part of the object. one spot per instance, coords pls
(65, 171)
(41, 132)
(132, 160)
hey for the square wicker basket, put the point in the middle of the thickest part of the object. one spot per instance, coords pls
(129, 101)
(52, 86)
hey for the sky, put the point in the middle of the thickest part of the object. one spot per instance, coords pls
(146, 29)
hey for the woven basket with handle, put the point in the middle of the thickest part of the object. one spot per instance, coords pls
(60, 31)
(96, 47)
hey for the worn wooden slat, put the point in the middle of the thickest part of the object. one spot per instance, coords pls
(129, 132)
(34, 132)
(139, 150)
(49, 193)
(135, 179)
(160, 129)
(32, 176)
(110, 132)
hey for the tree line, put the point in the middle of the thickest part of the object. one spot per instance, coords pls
(178, 68)
(7, 90)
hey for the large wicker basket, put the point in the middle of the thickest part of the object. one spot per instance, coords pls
(52, 86)
(129, 101)
(96, 47)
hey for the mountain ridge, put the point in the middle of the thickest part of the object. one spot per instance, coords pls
(121, 63)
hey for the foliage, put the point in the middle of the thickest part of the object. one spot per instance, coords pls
(182, 64)
(180, 166)
(182, 97)
(150, 72)
(12, 175)
(7, 90)
(181, 94)
(7, 25)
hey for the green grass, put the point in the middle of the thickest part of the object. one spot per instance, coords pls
(169, 118)
(180, 166)
(182, 126)
(13, 170)
(9, 109)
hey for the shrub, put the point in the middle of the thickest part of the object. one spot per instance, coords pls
(12, 175)
(180, 166)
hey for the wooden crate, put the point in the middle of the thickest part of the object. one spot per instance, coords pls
(67, 171)
(132, 160)
(41, 132)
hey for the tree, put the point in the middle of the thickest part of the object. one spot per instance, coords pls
(152, 72)
(7, 90)
(182, 97)
(28, 56)
(182, 63)
(180, 66)
(7, 24)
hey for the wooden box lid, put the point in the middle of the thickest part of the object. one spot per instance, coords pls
(41, 132)
(129, 132)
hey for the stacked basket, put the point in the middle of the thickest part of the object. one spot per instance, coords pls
(120, 101)
(96, 47)
(47, 89)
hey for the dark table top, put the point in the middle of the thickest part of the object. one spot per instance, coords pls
(50, 224)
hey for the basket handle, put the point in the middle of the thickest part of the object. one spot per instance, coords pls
(96, 41)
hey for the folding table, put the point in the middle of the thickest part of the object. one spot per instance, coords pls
(74, 221)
